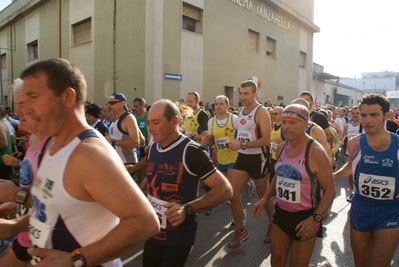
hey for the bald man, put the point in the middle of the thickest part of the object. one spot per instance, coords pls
(304, 189)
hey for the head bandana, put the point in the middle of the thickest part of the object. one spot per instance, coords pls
(292, 115)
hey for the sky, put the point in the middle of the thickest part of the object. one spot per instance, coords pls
(356, 36)
(4, 3)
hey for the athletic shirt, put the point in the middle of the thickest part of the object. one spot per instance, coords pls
(297, 187)
(128, 155)
(193, 125)
(170, 180)
(248, 131)
(27, 171)
(60, 221)
(276, 133)
(351, 132)
(142, 123)
(223, 135)
(376, 173)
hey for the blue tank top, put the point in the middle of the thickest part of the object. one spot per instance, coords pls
(376, 173)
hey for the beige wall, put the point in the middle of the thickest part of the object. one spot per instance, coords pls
(150, 42)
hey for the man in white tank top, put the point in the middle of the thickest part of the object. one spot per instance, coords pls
(65, 191)
(351, 130)
(253, 138)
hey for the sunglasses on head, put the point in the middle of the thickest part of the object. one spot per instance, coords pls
(113, 102)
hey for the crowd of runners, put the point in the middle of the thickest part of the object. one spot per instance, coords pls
(89, 182)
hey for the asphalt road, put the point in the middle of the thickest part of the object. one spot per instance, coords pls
(214, 233)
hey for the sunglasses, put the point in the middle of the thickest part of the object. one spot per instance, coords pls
(113, 102)
(274, 114)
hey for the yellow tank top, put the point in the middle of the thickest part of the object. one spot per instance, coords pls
(223, 135)
(273, 146)
(191, 124)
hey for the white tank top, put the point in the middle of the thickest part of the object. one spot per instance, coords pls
(248, 131)
(351, 132)
(58, 220)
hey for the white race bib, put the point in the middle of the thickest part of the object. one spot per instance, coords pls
(288, 190)
(222, 143)
(157, 205)
(273, 147)
(376, 186)
(39, 233)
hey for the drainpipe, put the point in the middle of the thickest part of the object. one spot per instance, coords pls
(59, 29)
(114, 50)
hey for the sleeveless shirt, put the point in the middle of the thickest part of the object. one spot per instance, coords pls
(223, 135)
(58, 220)
(296, 186)
(248, 131)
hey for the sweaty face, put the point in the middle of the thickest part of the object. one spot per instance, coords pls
(191, 102)
(42, 107)
(221, 106)
(247, 97)
(372, 118)
(90, 119)
(136, 106)
(19, 108)
(159, 126)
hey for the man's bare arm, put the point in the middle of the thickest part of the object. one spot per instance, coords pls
(129, 125)
(110, 185)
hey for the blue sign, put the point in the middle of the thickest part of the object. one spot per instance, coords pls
(173, 77)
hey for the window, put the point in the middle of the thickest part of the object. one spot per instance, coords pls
(3, 61)
(33, 50)
(192, 19)
(81, 32)
(270, 47)
(302, 60)
(253, 40)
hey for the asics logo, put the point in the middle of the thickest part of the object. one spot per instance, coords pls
(375, 181)
(286, 184)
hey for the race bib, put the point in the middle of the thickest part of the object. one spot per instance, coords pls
(244, 136)
(273, 147)
(222, 143)
(288, 190)
(39, 233)
(376, 187)
(157, 205)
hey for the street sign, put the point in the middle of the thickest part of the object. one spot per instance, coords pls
(173, 77)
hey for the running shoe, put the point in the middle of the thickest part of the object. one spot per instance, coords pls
(239, 237)
(250, 190)
(244, 221)
(266, 238)
(209, 212)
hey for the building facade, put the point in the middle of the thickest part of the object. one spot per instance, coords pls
(165, 49)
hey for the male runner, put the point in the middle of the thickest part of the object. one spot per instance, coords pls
(253, 139)
(373, 162)
(72, 220)
(302, 173)
(176, 165)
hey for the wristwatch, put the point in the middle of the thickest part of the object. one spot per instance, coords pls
(192, 135)
(21, 196)
(113, 142)
(77, 260)
(189, 210)
(244, 145)
(316, 217)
